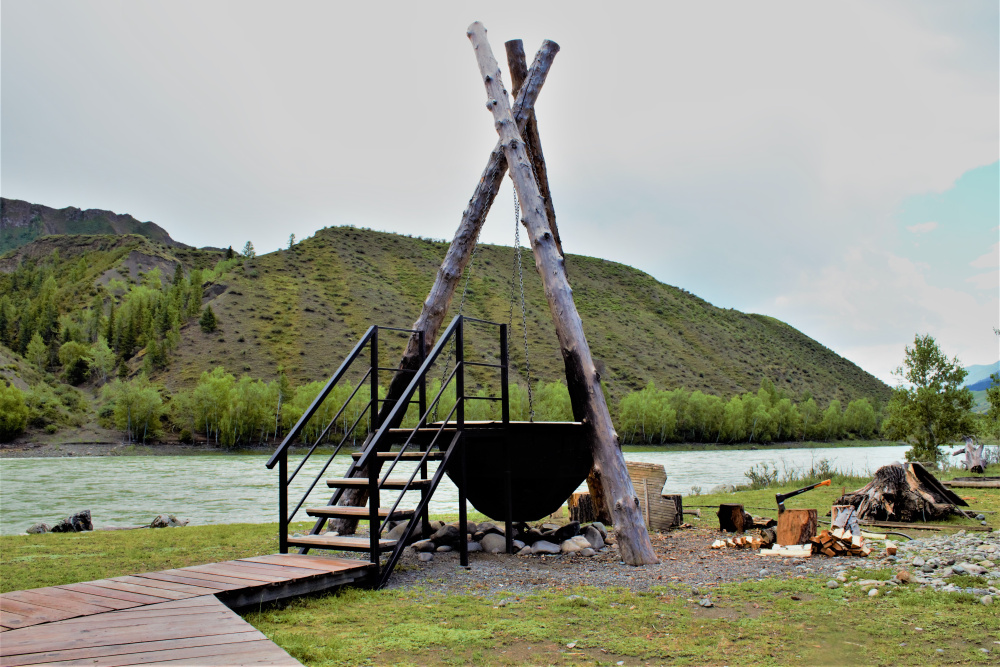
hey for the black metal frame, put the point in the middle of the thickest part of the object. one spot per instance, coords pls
(379, 435)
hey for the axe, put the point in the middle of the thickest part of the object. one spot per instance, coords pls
(782, 497)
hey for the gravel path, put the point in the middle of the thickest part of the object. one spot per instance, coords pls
(685, 558)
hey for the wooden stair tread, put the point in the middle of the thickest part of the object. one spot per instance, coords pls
(360, 512)
(407, 456)
(339, 542)
(391, 483)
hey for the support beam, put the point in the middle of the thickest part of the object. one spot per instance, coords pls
(459, 252)
(518, 66)
(609, 473)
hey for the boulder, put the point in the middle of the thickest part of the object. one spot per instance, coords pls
(544, 547)
(38, 529)
(164, 521)
(397, 532)
(594, 537)
(494, 544)
(575, 544)
(81, 521)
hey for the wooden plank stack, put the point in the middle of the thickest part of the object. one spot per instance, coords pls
(839, 542)
(660, 513)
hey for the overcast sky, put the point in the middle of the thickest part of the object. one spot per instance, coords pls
(834, 165)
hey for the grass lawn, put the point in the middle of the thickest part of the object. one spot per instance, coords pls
(779, 622)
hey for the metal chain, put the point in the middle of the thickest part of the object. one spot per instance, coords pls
(518, 270)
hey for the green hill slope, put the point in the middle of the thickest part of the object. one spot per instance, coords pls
(302, 309)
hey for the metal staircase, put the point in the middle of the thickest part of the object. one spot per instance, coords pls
(432, 439)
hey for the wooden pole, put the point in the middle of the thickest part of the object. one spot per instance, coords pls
(609, 477)
(456, 259)
(518, 66)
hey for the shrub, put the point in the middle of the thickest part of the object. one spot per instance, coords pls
(13, 412)
(75, 358)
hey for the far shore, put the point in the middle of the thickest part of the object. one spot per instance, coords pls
(51, 446)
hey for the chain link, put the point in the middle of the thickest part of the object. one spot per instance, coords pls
(519, 272)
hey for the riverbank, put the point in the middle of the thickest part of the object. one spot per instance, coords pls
(697, 606)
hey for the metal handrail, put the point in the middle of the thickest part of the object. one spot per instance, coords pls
(307, 415)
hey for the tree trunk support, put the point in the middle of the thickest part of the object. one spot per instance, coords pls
(609, 478)
(456, 259)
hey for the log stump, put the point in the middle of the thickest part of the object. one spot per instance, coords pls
(733, 519)
(582, 509)
(797, 526)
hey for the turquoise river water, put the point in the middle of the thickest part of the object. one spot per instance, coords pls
(214, 489)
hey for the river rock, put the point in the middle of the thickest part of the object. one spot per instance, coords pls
(425, 556)
(545, 547)
(571, 529)
(38, 529)
(517, 544)
(526, 551)
(973, 569)
(424, 545)
(396, 533)
(575, 544)
(600, 528)
(163, 521)
(587, 552)
(594, 537)
(531, 536)
(446, 535)
(473, 547)
(494, 544)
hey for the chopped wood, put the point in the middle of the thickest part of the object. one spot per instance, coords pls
(839, 542)
(788, 551)
(797, 526)
(890, 548)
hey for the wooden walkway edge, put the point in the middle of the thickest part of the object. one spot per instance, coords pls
(180, 617)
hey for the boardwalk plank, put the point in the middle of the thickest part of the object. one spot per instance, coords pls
(117, 584)
(54, 602)
(230, 571)
(141, 580)
(125, 596)
(271, 568)
(233, 582)
(9, 621)
(112, 651)
(32, 612)
(108, 603)
(204, 583)
(310, 562)
(251, 648)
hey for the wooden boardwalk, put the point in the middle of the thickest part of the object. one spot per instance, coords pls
(177, 617)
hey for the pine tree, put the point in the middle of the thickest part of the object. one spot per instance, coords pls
(208, 321)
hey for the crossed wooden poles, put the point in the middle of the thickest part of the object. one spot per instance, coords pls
(519, 150)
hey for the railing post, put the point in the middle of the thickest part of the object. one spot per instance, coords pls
(425, 515)
(505, 418)
(373, 505)
(463, 535)
(283, 503)
(374, 381)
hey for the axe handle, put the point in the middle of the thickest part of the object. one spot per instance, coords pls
(782, 497)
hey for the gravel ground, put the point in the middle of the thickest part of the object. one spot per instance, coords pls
(685, 558)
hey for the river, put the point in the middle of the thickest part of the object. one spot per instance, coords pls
(215, 489)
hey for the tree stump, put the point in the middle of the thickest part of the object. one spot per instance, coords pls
(678, 507)
(797, 526)
(733, 519)
(582, 509)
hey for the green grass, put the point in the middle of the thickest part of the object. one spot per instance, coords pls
(774, 622)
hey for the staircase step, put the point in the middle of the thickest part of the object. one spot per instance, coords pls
(338, 542)
(391, 483)
(343, 512)
(407, 456)
(398, 436)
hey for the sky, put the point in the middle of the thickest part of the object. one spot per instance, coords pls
(834, 165)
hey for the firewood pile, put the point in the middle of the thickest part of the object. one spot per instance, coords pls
(839, 542)
(906, 492)
(752, 542)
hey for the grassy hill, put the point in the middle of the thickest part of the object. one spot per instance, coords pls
(302, 309)
(22, 222)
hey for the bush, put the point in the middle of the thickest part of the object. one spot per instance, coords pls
(13, 412)
(185, 437)
(75, 359)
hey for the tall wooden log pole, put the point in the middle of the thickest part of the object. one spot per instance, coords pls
(518, 66)
(581, 375)
(459, 252)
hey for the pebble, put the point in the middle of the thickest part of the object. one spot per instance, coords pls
(426, 556)
(705, 602)
(873, 593)
(832, 584)
(986, 599)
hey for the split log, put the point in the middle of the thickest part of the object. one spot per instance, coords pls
(455, 261)
(581, 508)
(797, 526)
(518, 66)
(608, 479)
(733, 519)
(844, 516)
(973, 455)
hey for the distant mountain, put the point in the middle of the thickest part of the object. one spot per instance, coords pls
(979, 374)
(22, 222)
(981, 385)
